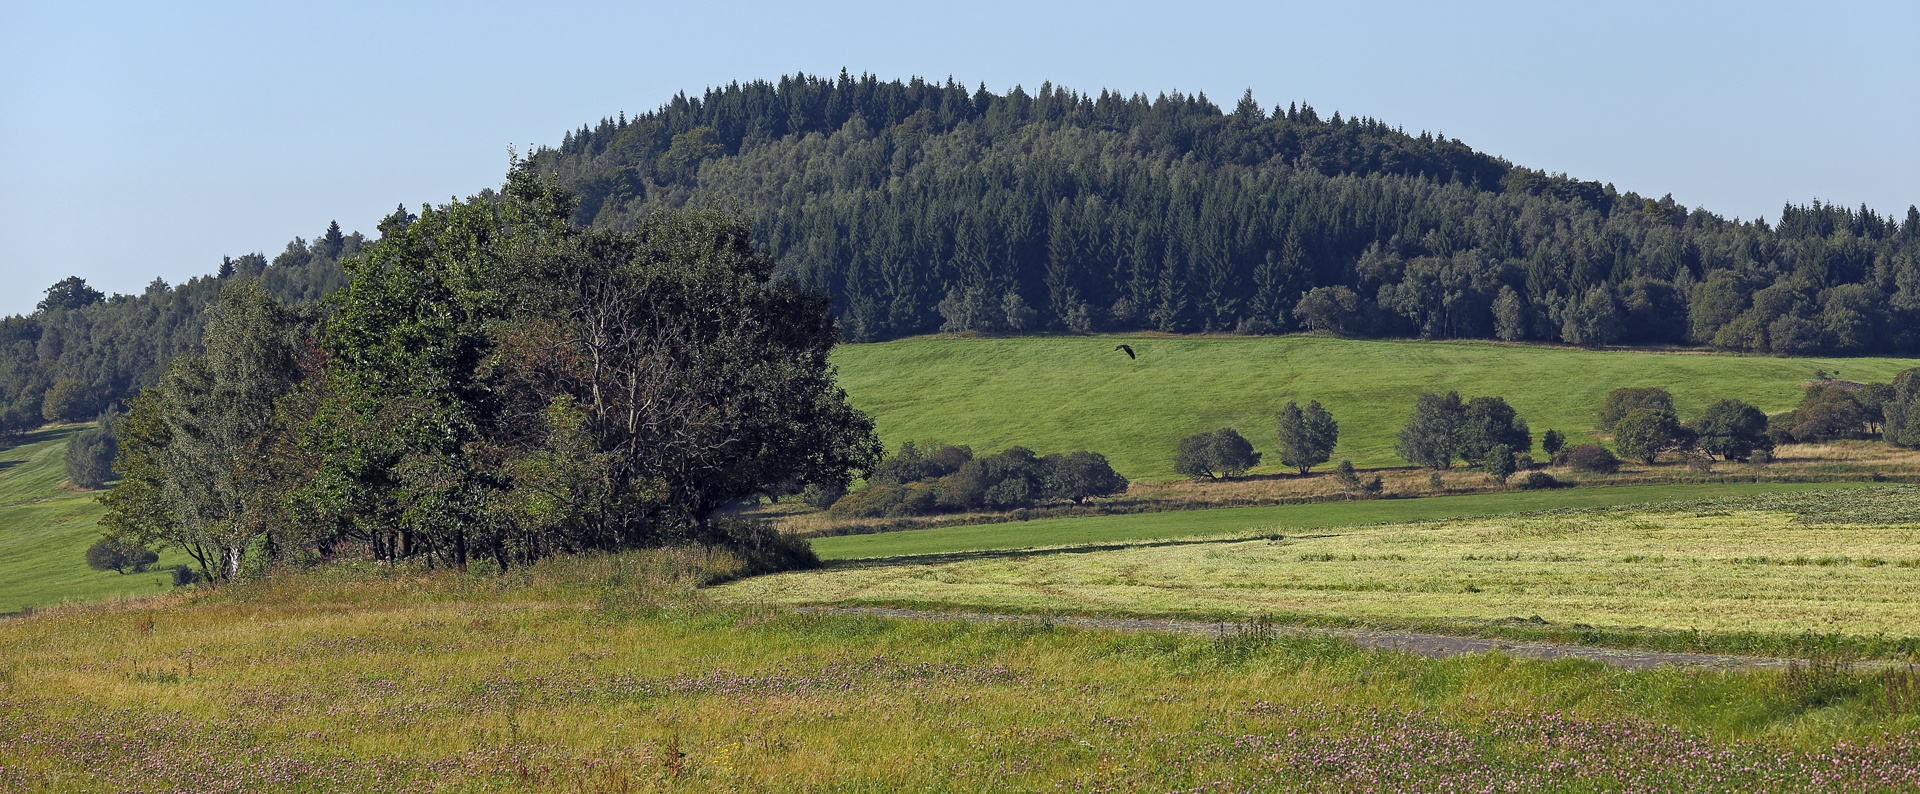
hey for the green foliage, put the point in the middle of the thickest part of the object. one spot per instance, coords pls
(1084, 208)
(1592, 458)
(1539, 481)
(69, 401)
(1901, 411)
(1348, 478)
(204, 455)
(1732, 430)
(1307, 438)
(119, 555)
(1552, 442)
(70, 293)
(90, 455)
(1499, 463)
(673, 372)
(1488, 422)
(1215, 454)
(1078, 476)
(1827, 413)
(1644, 433)
(1621, 402)
(1431, 436)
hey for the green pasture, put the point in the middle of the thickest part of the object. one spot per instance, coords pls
(1287, 519)
(45, 531)
(1064, 393)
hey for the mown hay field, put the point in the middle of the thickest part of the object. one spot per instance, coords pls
(1754, 567)
(1065, 393)
(610, 674)
(1267, 519)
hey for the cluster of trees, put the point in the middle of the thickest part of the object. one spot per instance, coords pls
(495, 383)
(924, 206)
(1307, 437)
(1483, 431)
(82, 352)
(933, 477)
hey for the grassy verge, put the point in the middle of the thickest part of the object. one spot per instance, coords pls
(1061, 393)
(607, 674)
(1283, 518)
(46, 527)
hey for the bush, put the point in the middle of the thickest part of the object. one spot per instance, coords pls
(1216, 454)
(1500, 463)
(1489, 422)
(1828, 413)
(183, 575)
(886, 500)
(1374, 486)
(90, 456)
(1592, 458)
(114, 554)
(1078, 476)
(1431, 436)
(1552, 442)
(1621, 402)
(1539, 481)
(1644, 433)
(823, 496)
(1732, 430)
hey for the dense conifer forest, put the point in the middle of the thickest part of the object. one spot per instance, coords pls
(924, 206)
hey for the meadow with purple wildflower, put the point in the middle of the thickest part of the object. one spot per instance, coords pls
(616, 673)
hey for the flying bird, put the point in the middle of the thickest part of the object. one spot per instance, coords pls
(1126, 348)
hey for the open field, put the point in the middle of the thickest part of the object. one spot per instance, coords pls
(1281, 518)
(608, 674)
(1063, 393)
(1730, 569)
(46, 527)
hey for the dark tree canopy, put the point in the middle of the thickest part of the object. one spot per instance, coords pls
(1215, 454)
(1644, 433)
(1431, 436)
(1307, 437)
(1732, 430)
(1623, 401)
(1488, 422)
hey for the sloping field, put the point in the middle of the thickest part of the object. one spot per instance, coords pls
(45, 531)
(1064, 393)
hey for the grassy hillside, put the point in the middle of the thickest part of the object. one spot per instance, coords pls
(45, 529)
(1286, 519)
(1061, 393)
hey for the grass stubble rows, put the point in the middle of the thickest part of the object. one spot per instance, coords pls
(615, 673)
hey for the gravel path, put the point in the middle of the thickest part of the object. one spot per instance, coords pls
(1430, 645)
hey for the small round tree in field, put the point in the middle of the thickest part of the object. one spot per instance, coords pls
(1500, 463)
(1215, 454)
(1646, 432)
(1080, 476)
(1592, 458)
(1732, 430)
(114, 554)
(1307, 437)
(1552, 442)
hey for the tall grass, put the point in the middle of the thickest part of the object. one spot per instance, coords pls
(615, 673)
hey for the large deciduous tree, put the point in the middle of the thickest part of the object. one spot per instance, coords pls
(1307, 436)
(639, 380)
(1431, 436)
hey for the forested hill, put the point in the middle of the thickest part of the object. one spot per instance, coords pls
(81, 351)
(925, 206)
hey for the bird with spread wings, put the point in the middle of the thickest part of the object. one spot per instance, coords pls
(1129, 350)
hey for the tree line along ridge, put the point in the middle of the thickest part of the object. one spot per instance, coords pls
(922, 206)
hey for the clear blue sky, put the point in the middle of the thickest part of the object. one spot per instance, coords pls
(150, 139)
